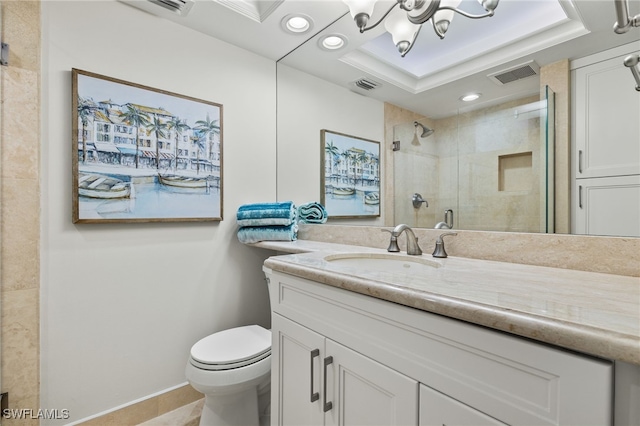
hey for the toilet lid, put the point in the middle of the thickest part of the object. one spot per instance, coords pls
(232, 348)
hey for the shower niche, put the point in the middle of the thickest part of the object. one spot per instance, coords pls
(515, 172)
(492, 168)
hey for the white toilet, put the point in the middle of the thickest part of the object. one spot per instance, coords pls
(232, 368)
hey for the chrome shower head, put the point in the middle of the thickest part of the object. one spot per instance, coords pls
(425, 130)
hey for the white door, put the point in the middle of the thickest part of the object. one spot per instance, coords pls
(607, 129)
(608, 206)
(365, 392)
(296, 388)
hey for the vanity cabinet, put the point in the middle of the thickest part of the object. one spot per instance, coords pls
(390, 364)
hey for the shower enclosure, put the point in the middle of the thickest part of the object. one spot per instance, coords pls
(489, 169)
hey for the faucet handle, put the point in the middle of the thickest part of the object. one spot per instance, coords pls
(393, 242)
(439, 251)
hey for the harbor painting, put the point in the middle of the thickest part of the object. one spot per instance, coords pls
(142, 154)
(350, 181)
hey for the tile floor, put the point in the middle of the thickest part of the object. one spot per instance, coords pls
(188, 415)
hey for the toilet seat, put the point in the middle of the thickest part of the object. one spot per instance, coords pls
(233, 348)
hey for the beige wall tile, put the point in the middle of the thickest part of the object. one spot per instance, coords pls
(21, 30)
(20, 354)
(20, 196)
(20, 123)
(557, 77)
(20, 234)
(177, 398)
(128, 416)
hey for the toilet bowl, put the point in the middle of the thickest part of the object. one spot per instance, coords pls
(232, 368)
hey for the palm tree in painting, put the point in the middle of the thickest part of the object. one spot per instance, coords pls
(361, 159)
(333, 152)
(159, 130)
(86, 108)
(199, 140)
(208, 128)
(178, 126)
(351, 160)
(136, 118)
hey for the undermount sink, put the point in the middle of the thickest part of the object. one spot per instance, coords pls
(383, 262)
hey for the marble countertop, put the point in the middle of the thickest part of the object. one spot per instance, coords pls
(593, 313)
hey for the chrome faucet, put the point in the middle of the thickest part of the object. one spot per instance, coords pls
(412, 241)
(448, 220)
(439, 251)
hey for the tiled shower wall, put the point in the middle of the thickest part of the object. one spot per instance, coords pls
(556, 76)
(20, 206)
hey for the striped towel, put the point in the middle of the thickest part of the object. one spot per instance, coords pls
(254, 234)
(266, 214)
(312, 213)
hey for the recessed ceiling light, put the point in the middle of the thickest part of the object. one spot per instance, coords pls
(333, 41)
(297, 23)
(470, 97)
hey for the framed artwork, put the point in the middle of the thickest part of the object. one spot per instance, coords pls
(350, 175)
(142, 154)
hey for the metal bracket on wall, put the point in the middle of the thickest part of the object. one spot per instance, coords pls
(4, 54)
(395, 145)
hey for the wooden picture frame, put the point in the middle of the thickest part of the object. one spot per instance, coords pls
(350, 175)
(142, 154)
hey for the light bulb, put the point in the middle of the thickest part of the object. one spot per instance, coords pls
(489, 5)
(402, 31)
(357, 7)
(442, 18)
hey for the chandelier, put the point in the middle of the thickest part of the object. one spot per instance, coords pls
(404, 22)
(623, 23)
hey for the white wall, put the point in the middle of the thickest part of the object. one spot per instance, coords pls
(121, 304)
(325, 106)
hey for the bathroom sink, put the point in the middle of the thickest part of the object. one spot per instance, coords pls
(383, 262)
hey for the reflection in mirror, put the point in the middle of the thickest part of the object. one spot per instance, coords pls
(490, 169)
(319, 89)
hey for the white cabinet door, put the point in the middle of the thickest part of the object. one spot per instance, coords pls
(608, 206)
(359, 391)
(437, 409)
(607, 128)
(366, 392)
(296, 371)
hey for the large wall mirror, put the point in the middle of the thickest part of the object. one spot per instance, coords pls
(501, 163)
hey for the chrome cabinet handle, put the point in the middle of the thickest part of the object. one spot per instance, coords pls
(580, 196)
(314, 395)
(328, 405)
(580, 161)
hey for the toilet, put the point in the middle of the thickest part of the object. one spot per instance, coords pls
(232, 368)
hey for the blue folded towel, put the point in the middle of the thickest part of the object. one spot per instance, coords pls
(312, 213)
(265, 214)
(254, 234)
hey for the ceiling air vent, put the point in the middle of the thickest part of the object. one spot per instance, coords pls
(366, 84)
(181, 7)
(515, 73)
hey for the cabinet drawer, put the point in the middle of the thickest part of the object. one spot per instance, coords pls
(438, 409)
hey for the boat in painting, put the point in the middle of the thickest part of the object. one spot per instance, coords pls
(103, 187)
(341, 190)
(183, 181)
(372, 198)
